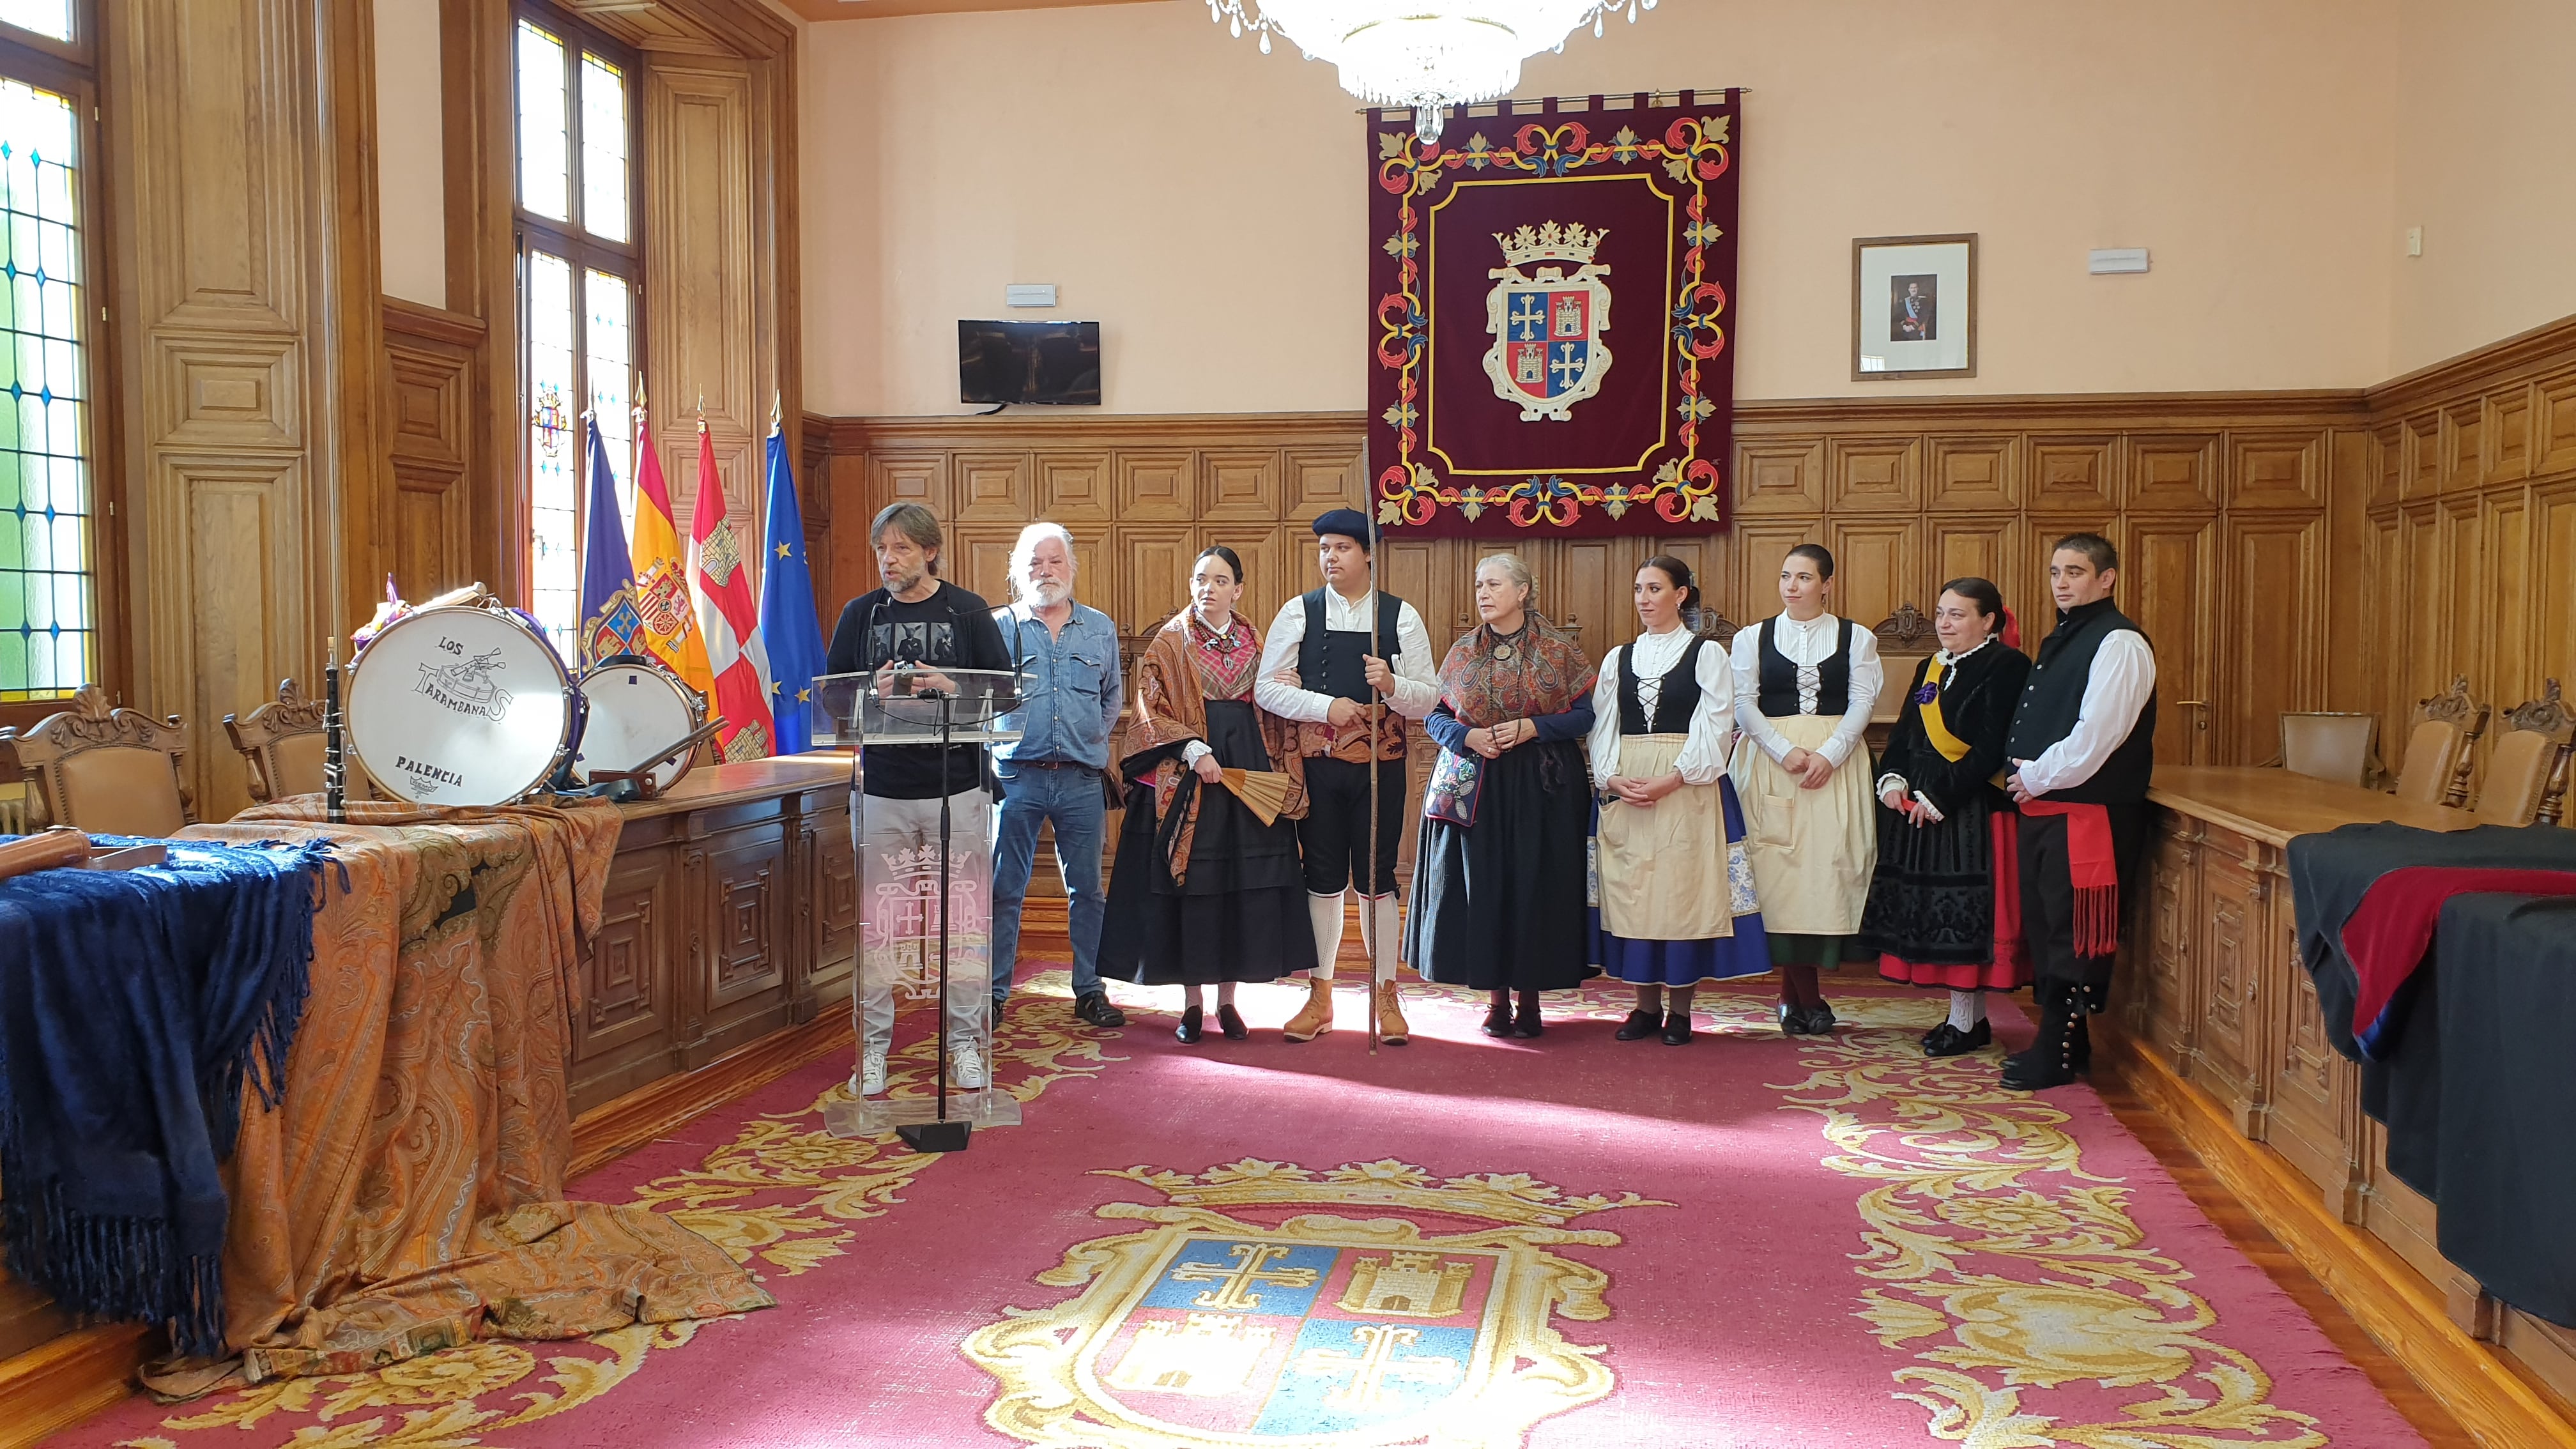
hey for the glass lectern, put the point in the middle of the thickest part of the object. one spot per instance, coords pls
(925, 911)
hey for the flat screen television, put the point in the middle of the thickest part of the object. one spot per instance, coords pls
(1029, 362)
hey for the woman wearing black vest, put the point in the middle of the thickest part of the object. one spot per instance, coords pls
(1805, 684)
(1676, 907)
(1945, 902)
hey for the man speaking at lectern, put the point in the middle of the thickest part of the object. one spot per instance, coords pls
(922, 622)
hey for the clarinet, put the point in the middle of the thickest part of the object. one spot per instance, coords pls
(335, 801)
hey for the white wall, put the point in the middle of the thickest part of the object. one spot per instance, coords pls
(411, 195)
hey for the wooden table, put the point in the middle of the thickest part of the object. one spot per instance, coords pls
(2214, 1020)
(732, 914)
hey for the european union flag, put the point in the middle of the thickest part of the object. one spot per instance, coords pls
(609, 622)
(788, 626)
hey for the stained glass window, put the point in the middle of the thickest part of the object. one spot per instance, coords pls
(48, 593)
(603, 149)
(545, 150)
(45, 17)
(554, 450)
(580, 270)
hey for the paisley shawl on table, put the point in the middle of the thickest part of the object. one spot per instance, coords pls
(407, 1193)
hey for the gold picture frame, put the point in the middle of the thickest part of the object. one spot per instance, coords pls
(1914, 307)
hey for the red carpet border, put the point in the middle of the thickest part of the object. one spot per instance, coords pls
(1747, 1243)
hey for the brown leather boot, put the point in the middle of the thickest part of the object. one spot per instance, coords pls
(1314, 1018)
(1390, 1016)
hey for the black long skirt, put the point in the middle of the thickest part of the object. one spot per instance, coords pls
(1239, 913)
(1500, 903)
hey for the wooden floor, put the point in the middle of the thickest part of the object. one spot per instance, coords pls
(2257, 1243)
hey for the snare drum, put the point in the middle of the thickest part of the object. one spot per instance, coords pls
(460, 704)
(636, 709)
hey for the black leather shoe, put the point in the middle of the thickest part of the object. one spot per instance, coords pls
(1793, 1018)
(1639, 1024)
(1525, 1022)
(1820, 1020)
(2034, 1070)
(2050, 1062)
(1677, 1028)
(1498, 1015)
(1097, 1010)
(1188, 1030)
(1230, 1022)
(1956, 1043)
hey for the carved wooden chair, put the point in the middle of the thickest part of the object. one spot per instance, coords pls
(1714, 627)
(2326, 745)
(107, 771)
(282, 741)
(2439, 753)
(2527, 773)
(1903, 638)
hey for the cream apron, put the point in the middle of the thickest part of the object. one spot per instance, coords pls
(1812, 850)
(1662, 867)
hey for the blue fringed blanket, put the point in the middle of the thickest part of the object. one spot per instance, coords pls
(132, 1004)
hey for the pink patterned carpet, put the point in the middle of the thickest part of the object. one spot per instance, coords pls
(1748, 1243)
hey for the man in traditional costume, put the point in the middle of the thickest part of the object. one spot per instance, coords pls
(919, 624)
(1331, 653)
(1675, 897)
(1206, 889)
(1945, 901)
(2082, 749)
(1806, 682)
(1495, 904)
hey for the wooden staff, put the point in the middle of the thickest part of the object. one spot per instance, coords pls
(1377, 706)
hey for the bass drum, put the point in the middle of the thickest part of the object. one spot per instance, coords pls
(636, 709)
(460, 704)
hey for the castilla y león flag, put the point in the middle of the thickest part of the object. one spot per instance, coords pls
(727, 618)
(1551, 318)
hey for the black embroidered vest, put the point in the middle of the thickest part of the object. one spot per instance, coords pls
(2054, 699)
(1673, 706)
(1779, 677)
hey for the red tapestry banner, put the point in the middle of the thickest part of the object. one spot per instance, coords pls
(1551, 319)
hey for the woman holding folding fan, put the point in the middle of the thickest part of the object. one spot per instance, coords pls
(1503, 819)
(1207, 891)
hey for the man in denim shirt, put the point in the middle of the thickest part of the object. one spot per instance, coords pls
(1052, 773)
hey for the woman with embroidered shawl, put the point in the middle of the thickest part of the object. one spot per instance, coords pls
(1497, 871)
(1203, 891)
(1944, 904)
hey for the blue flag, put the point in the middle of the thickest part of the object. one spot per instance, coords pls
(788, 627)
(611, 624)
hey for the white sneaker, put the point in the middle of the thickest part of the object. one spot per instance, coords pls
(966, 1064)
(872, 1072)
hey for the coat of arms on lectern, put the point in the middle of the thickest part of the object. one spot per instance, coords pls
(1547, 325)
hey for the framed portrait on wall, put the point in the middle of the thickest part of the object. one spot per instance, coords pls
(1914, 307)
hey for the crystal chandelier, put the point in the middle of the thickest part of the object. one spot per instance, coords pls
(1425, 54)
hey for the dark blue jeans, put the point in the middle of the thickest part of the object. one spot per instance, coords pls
(1070, 801)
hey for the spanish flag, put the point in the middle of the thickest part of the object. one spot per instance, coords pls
(662, 572)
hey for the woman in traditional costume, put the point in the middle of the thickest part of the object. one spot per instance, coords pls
(1945, 902)
(1504, 817)
(1204, 891)
(1676, 901)
(1805, 684)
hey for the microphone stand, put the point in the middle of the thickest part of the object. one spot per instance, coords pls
(941, 1134)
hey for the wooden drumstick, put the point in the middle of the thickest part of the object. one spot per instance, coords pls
(46, 850)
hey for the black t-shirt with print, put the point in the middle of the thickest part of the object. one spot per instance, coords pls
(952, 629)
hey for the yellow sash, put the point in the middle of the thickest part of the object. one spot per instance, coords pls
(1952, 748)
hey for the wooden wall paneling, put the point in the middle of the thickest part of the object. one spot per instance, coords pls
(2508, 428)
(2553, 424)
(2420, 579)
(1779, 475)
(2167, 585)
(994, 488)
(1991, 547)
(1320, 479)
(2512, 674)
(1153, 574)
(2177, 471)
(1277, 566)
(1157, 484)
(2352, 640)
(362, 503)
(1874, 475)
(2071, 473)
(1073, 487)
(1976, 473)
(2465, 642)
(477, 54)
(1759, 546)
(2553, 559)
(2463, 439)
(429, 425)
(2420, 465)
(1241, 484)
(1878, 564)
(2393, 451)
(2277, 470)
(2274, 597)
(1591, 590)
(978, 559)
